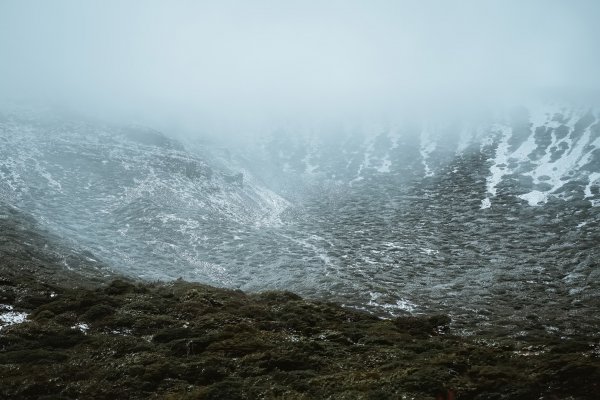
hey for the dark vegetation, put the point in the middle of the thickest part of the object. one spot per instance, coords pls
(96, 336)
(186, 340)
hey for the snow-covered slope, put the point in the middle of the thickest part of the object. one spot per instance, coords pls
(492, 220)
(559, 158)
(133, 196)
(553, 151)
(459, 216)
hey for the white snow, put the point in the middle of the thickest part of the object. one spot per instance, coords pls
(427, 147)
(554, 172)
(10, 317)
(82, 326)
(535, 197)
(385, 165)
(500, 161)
(365, 164)
(405, 305)
(528, 147)
(125, 331)
(401, 304)
(357, 179)
(485, 203)
(593, 178)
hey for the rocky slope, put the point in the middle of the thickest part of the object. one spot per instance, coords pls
(85, 334)
(131, 195)
(496, 219)
(493, 221)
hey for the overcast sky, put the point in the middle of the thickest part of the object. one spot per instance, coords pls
(244, 60)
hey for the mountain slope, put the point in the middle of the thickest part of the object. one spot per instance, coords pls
(488, 221)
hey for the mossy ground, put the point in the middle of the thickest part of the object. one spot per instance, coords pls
(181, 340)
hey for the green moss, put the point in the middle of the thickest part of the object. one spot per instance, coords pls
(184, 340)
(119, 286)
(40, 356)
(97, 311)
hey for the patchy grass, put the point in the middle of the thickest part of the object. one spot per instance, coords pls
(182, 340)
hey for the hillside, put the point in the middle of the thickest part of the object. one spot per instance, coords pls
(74, 333)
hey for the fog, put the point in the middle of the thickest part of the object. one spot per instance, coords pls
(238, 64)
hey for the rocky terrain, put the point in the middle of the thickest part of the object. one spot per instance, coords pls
(492, 221)
(442, 217)
(85, 333)
(451, 259)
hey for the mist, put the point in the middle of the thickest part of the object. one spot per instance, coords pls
(331, 199)
(236, 66)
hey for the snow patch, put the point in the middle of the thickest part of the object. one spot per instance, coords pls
(549, 173)
(485, 203)
(427, 147)
(385, 165)
(535, 197)
(82, 326)
(593, 179)
(553, 172)
(500, 161)
(10, 317)
(401, 304)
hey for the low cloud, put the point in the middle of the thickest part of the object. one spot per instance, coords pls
(239, 63)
